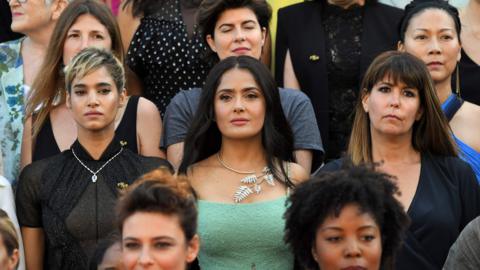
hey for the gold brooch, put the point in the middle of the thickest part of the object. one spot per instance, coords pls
(122, 185)
(314, 57)
(123, 143)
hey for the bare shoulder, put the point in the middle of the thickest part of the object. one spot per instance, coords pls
(297, 173)
(466, 125)
(146, 107)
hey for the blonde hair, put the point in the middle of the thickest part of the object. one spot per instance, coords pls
(431, 133)
(91, 59)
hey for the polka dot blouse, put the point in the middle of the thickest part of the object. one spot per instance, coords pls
(164, 57)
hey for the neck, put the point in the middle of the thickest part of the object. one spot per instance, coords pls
(243, 155)
(39, 40)
(396, 149)
(95, 142)
(443, 89)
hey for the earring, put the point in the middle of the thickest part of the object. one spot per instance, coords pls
(457, 80)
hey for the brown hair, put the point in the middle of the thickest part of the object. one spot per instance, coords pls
(160, 192)
(48, 85)
(431, 133)
(8, 233)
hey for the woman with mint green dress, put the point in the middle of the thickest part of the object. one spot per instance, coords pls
(241, 179)
(19, 62)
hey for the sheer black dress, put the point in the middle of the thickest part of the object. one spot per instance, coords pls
(58, 195)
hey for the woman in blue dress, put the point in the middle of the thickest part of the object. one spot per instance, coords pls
(431, 32)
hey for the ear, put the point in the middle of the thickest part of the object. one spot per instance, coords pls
(122, 99)
(13, 259)
(366, 96)
(211, 43)
(68, 102)
(57, 8)
(193, 248)
(400, 46)
(419, 114)
(264, 35)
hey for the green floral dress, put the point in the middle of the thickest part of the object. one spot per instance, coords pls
(11, 107)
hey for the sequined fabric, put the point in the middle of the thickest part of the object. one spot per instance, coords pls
(343, 32)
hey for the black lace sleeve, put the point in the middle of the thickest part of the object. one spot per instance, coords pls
(29, 209)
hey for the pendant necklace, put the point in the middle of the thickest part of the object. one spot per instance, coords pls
(94, 174)
(250, 183)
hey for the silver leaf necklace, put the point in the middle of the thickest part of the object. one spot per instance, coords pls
(94, 174)
(251, 182)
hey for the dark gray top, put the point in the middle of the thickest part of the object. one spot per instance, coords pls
(465, 252)
(296, 106)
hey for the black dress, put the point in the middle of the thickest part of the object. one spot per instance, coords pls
(446, 200)
(58, 195)
(164, 57)
(46, 146)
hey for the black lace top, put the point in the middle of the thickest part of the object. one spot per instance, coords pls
(164, 57)
(58, 195)
(343, 32)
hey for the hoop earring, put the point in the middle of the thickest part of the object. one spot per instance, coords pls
(457, 81)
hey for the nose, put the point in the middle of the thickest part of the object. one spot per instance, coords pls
(144, 259)
(238, 106)
(394, 99)
(240, 35)
(352, 250)
(93, 99)
(434, 46)
(84, 43)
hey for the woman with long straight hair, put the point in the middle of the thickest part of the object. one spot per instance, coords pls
(238, 158)
(400, 127)
(50, 128)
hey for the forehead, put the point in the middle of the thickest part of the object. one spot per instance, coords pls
(236, 15)
(100, 74)
(148, 225)
(432, 18)
(237, 78)
(87, 21)
(349, 215)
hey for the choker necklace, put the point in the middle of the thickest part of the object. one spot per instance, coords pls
(251, 182)
(94, 174)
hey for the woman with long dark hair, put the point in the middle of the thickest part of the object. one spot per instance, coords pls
(431, 32)
(238, 156)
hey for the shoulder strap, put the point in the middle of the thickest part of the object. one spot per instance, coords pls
(451, 106)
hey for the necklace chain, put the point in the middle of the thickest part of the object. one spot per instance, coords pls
(226, 166)
(94, 174)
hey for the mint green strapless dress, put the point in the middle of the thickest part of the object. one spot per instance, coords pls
(243, 236)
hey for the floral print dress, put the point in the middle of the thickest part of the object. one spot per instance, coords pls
(11, 107)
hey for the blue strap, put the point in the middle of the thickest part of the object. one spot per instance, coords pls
(451, 106)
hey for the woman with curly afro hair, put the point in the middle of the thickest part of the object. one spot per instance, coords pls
(347, 218)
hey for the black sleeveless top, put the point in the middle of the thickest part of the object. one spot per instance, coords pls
(46, 146)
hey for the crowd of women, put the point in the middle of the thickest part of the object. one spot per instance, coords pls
(146, 140)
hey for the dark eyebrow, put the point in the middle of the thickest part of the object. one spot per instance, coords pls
(231, 24)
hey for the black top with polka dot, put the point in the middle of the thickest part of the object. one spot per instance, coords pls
(164, 57)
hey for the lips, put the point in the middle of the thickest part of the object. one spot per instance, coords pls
(434, 64)
(356, 267)
(241, 50)
(239, 121)
(93, 113)
(392, 116)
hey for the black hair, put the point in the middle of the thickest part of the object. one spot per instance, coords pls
(417, 6)
(161, 192)
(210, 10)
(102, 248)
(146, 7)
(326, 195)
(204, 138)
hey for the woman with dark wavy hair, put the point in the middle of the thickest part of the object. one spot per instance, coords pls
(347, 218)
(238, 156)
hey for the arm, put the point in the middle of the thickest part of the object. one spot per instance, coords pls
(289, 78)
(304, 158)
(149, 129)
(298, 173)
(27, 146)
(175, 154)
(34, 244)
